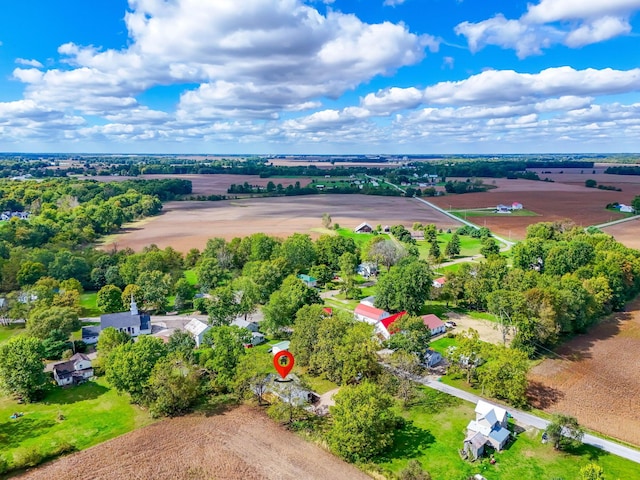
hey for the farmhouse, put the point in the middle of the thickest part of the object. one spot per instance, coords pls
(625, 208)
(503, 209)
(308, 280)
(291, 392)
(434, 324)
(197, 329)
(77, 370)
(131, 322)
(489, 428)
(372, 315)
(256, 339)
(364, 227)
(516, 206)
(367, 269)
(280, 347)
(249, 325)
(417, 234)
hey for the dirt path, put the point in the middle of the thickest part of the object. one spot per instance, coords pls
(240, 443)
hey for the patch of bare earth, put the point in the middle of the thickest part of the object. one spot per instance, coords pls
(185, 225)
(488, 331)
(240, 443)
(595, 377)
(627, 233)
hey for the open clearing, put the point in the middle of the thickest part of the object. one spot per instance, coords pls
(239, 443)
(185, 225)
(595, 378)
(551, 201)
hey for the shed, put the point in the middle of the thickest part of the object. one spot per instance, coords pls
(280, 347)
(364, 227)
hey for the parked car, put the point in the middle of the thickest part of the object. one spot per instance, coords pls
(450, 324)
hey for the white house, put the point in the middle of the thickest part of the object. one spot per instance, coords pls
(76, 370)
(256, 339)
(434, 324)
(439, 282)
(364, 227)
(131, 322)
(503, 209)
(197, 329)
(626, 208)
(489, 427)
(369, 314)
(249, 325)
(367, 269)
(382, 327)
(516, 206)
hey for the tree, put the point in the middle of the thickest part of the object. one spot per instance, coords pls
(453, 246)
(405, 287)
(45, 319)
(434, 251)
(564, 432)
(298, 252)
(109, 299)
(321, 273)
(305, 333)
(363, 422)
(409, 334)
(413, 471)
(155, 286)
(489, 247)
(504, 375)
(55, 344)
(209, 273)
(468, 354)
(227, 349)
(174, 387)
(132, 290)
(592, 471)
(181, 345)
(30, 273)
(385, 252)
(326, 220)
(252, 374)
(184, 290)
(590, 183)
(129, 366)
(21, 368)
(283, 304)
(109, 339)
(247, 295)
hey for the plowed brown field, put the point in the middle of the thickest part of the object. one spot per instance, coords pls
(595, 378)
(185, 225)
(239, 444)
(551, 201)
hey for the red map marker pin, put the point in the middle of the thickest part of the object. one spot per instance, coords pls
(283, 361)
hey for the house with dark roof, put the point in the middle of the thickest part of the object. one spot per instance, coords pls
(131, 322)
(76, 370)
(90, 334)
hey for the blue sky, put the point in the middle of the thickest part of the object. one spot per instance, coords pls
(342, 76)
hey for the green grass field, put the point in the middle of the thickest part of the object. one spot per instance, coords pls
(469, 246)
(88, 304)
(191, 277)
(491, 212)
(6, 332)
(435, 431)
(79, 416)
(361, 239)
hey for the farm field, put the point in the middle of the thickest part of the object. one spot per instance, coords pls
(551, 201)
(185, 225)
(595, 378)
(627, 233)
(215, 184)
(239, 443)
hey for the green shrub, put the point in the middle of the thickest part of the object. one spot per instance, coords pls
(26, 457)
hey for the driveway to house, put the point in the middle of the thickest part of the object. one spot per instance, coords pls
(524, 418)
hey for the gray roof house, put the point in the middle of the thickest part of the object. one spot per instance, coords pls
(131, 322)
(489, 428)
(249, 325)
(76, 370)
(90, 334)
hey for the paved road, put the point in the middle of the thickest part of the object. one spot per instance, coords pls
(524, 418)
(615, 222)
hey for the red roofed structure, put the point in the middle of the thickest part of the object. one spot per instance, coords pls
(328, 310)
(433, 323)
(372, 315)
(383, 327)
(439, 282)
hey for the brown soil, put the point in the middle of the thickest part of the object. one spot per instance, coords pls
(550, 201)
(627, 233)
(240, 443)
(210, 184)
(185, 225)
(594, 377)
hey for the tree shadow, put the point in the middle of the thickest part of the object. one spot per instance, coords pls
(587, 451)
(73, 394)
(14, 432)
(543, 396)
(408, 442)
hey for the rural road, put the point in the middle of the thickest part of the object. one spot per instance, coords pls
(615, 222)
(532, 420)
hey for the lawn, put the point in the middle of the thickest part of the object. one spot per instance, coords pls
(469, 246)
(442, 344)
(80, 416)
(361, 239)
(435, 430)
(191, 277)
(88, 304)
(491, 212)
(6, 332)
